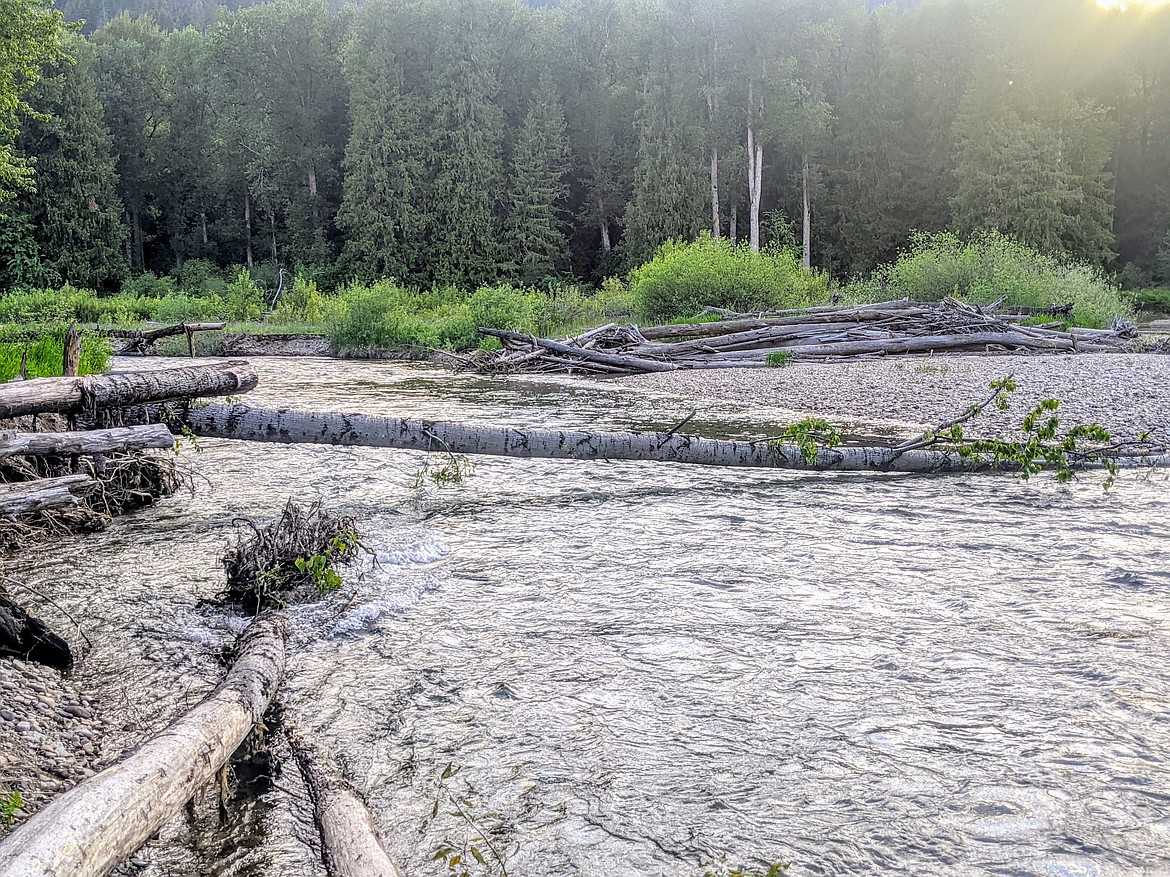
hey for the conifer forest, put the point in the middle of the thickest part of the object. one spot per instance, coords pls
(467, 142)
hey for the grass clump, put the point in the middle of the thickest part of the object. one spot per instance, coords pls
(989, 267)
(291, 560)
(684, 278)
(44, 356)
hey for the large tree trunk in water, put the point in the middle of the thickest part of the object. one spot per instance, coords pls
(297, 427)
(99, 823)
(716, 225)
(352, 845)
(248, 259)
(807, 216)
(119, 389)
(94, 441)
(26, 497)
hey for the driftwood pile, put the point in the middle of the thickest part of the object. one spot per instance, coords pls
(821, 334)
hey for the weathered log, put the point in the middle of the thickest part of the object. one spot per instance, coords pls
(71, 360)
(925, 344)
(299, 427)
(26, 497)
(142, 340)
(103, 820)
(28, 638)
(353, 847)
(96, 441)
(629, 363)
(117, 389)
(820, 315)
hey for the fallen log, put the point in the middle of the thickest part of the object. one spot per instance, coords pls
(118, 389)
(26, 497)
(96, 441)
(301, 427)
(629, 363)
(88, 830)
(28, 638)
(352, 845)
(140, 341)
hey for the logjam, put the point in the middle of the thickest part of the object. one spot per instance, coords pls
(301, 427)
(102, 821)
(144, 341)
(95, 441)
(814, 334)
(26, 497)
(118, 389)
(353, 847)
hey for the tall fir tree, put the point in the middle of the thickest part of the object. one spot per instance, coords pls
(74, 207)
(537, 188)
(383, 212)
(466, 151)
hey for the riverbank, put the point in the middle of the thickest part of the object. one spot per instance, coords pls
(1128, 394)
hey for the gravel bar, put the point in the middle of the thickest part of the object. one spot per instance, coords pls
(50, 737)
(1128, 394)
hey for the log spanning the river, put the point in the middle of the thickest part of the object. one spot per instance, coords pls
(103, 820)
(94, 441)
(300, 427)
(143, 341)
(26, 497)
(352, 845)
(120, 389)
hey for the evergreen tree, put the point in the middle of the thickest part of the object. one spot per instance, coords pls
(75, 207)
(382, 211)
(466, 151)
(537, 188)
(669, 192)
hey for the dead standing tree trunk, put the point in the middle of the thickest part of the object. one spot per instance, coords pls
(99, 823)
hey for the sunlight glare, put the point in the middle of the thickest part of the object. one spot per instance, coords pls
(1123, 5)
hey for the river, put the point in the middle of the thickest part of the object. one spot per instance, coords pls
(643, 668)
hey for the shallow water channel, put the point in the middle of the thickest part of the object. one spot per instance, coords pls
(643, 668)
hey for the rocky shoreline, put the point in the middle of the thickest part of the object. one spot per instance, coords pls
(50, 735)
(1128, 394)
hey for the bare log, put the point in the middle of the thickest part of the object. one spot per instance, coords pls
(26, 497)
(103, 820)
(141, 341)
(71, 361)
(97, 441)
(353, 847)
(118, 389)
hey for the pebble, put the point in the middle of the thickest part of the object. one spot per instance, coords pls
(50, 738)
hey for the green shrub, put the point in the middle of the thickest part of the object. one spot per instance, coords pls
(46, 355)
(244, 300)
(613, 301)
(990, 267)
(148, 285)
(682, 279)
(1153, 300)
(304, 303)
(186, 308)
(504, 307)
(200, 278)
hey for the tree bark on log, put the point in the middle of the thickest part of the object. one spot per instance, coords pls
(96, 441)
(298, 427)
(353, 847)
(119, 389)
(97, 824)
(26, 497)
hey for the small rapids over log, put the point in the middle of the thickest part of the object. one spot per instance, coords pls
(643, 668)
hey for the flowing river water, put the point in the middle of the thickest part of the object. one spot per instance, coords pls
(640, 669)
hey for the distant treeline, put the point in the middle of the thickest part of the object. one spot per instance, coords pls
(469, 141)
